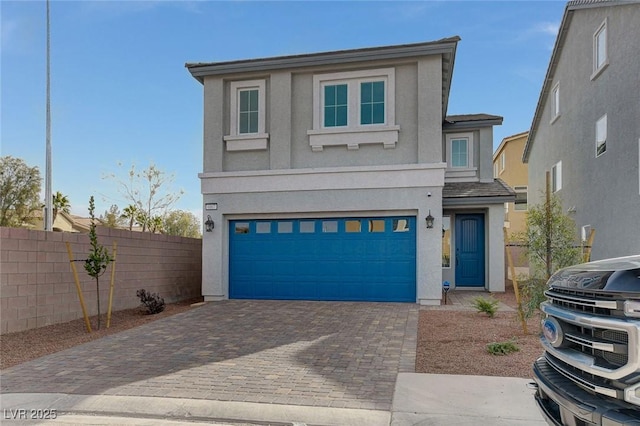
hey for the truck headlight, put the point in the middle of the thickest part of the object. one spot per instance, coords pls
(632, 394)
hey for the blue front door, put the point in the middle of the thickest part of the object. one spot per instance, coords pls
(359, 259)
(470, 250)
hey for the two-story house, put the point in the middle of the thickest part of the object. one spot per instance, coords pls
(338, 176)
(508, 166)
(586, 127)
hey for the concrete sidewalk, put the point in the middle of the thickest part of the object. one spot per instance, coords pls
(419, 399)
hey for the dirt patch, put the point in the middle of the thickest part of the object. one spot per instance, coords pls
(455, 342)
(23, 346)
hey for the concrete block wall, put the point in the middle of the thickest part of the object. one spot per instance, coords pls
(37, 287)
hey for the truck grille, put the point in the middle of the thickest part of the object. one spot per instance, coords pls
(595, 345)
(581, 301)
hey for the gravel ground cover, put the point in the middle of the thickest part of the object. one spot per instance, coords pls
(455, 342)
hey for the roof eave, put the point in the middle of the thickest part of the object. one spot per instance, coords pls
(473, 124)
(465, 201)
(444, 46)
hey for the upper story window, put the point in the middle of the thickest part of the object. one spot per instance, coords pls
(556, 177)
(460, 151)
(347, 105)
(503, 162)
(601, 135)
(372, 96)
(247, 116)
(555, 102)
(521, 198)
(248, 111)
(600, 50)
(495, 170)
(335, 105)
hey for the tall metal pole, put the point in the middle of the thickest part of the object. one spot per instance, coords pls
(48, 196)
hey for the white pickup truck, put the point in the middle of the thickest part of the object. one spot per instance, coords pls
(589, 373)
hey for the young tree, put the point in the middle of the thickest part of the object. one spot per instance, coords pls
(19, 192)
(149, 190)
(99, 257)
(182, 223)
(60, 203)
(550, 241)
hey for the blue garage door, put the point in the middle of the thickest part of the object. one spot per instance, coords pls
(361, 259)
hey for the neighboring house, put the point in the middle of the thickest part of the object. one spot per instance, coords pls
(321, 172)
(508, 166)
(586, 128)
(64, 222)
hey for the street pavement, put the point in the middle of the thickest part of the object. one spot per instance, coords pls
(260, 362)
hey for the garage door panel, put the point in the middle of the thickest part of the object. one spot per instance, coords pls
(324, 259)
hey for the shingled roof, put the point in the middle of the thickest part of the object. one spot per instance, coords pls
(455, 193)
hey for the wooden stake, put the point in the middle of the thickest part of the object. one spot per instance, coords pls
(78, 288)
(113, 275)
(586, 255)
(516, 289)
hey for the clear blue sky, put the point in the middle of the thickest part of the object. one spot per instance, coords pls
(120, 92)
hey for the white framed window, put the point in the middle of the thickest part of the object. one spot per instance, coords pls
(247, 113)
(555, 102)
(520, 203)
(556, 177)
(460, 151)
(600, 50)
(503, 162)
(353, 108)
(601, 135)
(495, 169)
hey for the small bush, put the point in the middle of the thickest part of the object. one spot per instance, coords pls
(152, 301)
(502, 348)
(488, 306)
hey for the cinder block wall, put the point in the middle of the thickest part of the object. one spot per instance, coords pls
(37, 287)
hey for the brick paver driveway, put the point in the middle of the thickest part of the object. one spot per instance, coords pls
(331, 354)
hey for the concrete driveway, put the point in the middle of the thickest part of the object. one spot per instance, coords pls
(314, 354)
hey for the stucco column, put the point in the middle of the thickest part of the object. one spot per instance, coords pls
(495, 247)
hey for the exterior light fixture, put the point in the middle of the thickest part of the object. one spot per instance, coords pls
(209, 225)
(429, 220)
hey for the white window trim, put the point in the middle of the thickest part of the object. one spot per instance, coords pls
(606, 134)
(557, 171)
(555, 102)
(247, 141)
(469, 137)
(353, 134)
(503, 162)
(597, 70)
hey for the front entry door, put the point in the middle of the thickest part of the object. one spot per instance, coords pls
(470, 250)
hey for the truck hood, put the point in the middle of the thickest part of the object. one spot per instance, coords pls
(620, 274)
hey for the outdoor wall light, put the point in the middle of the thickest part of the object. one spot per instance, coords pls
(209, 225)
(429, 220)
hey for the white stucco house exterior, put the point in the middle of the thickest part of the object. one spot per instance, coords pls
(320, 172)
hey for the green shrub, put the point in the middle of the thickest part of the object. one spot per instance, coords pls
(502, 348)
(488, 306)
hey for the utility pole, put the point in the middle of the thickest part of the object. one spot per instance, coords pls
(48, 196)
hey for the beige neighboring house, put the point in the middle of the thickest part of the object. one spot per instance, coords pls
(508, 166)
(65, 222)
